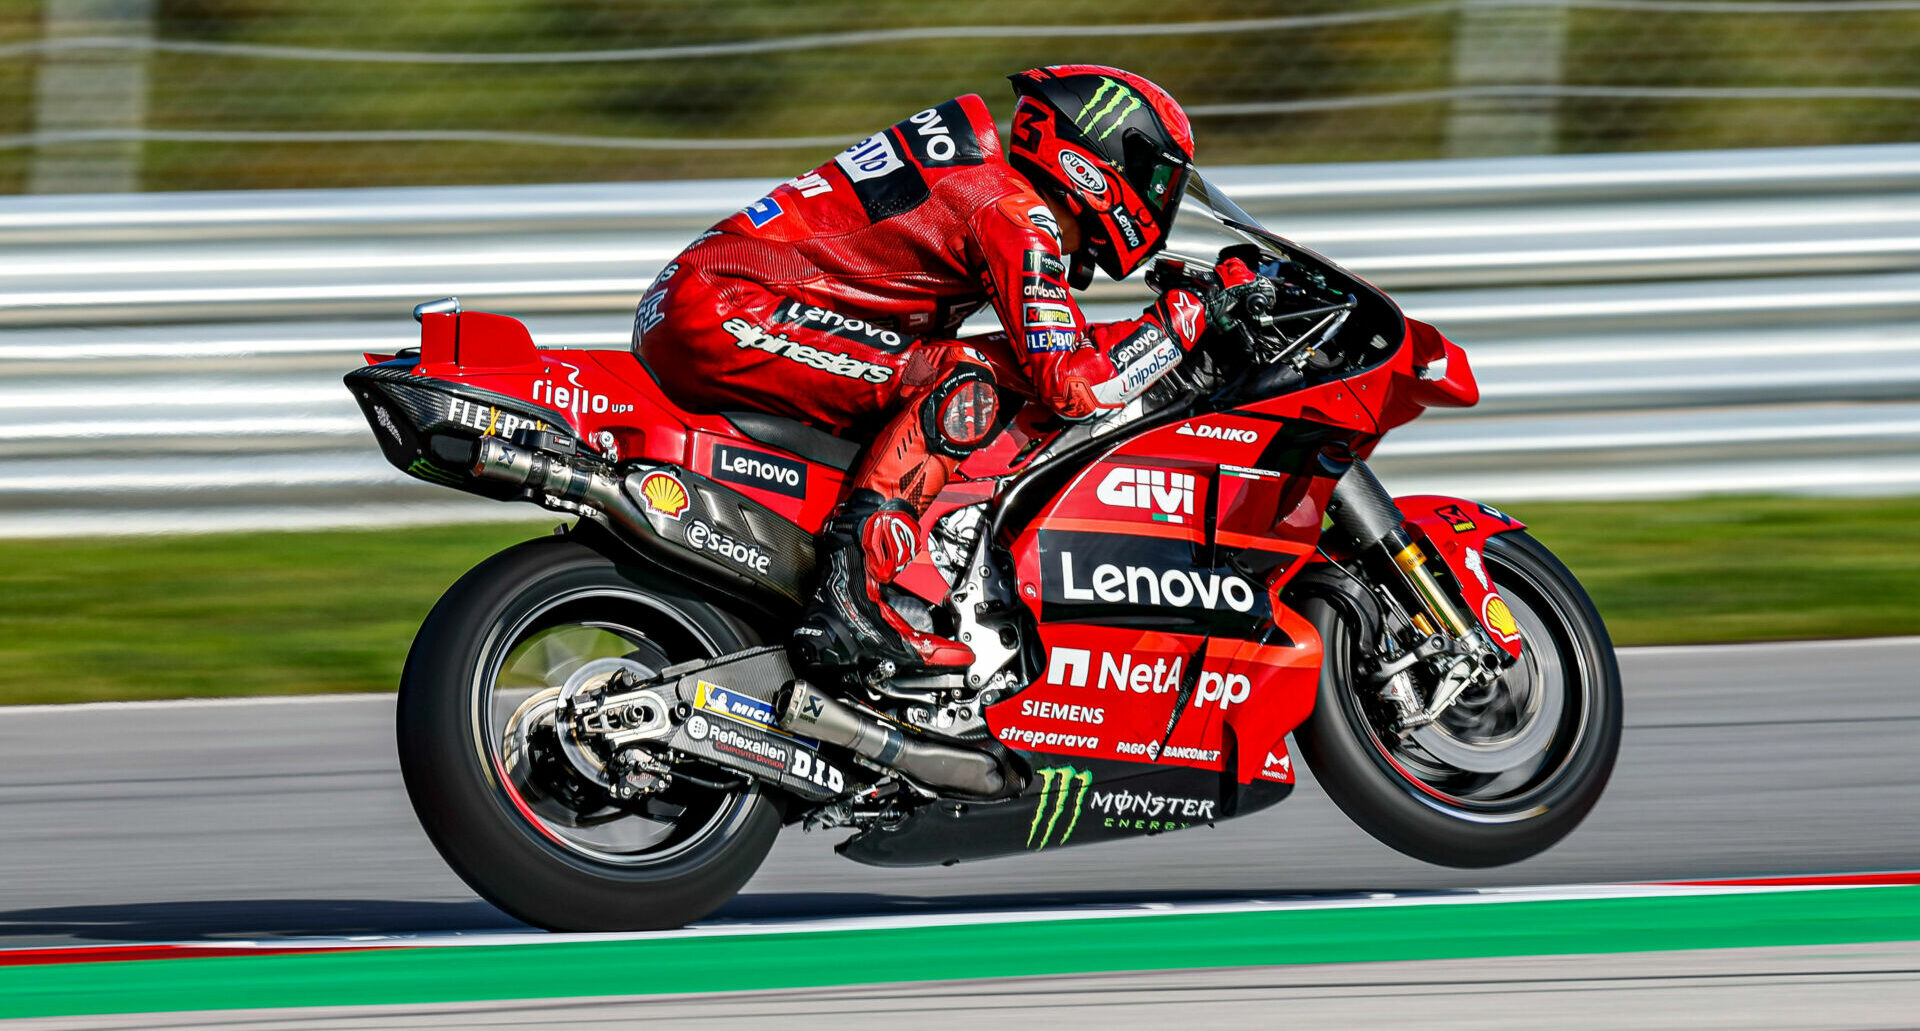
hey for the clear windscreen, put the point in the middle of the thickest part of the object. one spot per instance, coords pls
(1202, 229)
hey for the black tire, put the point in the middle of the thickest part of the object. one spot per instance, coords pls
(471, 809)
(1442, 814)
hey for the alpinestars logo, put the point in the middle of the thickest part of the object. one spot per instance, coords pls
(1168, 496)
(1186, 314)
(1119, 103)
(832, 362)
(1212, 432)
(1057, 783)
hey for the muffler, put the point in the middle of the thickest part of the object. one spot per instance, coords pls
(553, 476)
(807, 712)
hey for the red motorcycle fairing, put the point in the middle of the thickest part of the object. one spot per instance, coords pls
(614, 407)
(1156, 573)
(1457, 531)
(1184, 535)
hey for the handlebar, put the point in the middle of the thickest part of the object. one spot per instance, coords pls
(1260, 333)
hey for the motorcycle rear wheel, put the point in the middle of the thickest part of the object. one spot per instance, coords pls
(1415, 802)
(496, 798)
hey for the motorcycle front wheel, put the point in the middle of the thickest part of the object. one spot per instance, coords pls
(1506, 773)
(488, 773)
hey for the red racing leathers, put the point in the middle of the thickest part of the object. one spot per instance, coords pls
(834, 299)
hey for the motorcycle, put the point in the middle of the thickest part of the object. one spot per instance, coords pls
(597, 735)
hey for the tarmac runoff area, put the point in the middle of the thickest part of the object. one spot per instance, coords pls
(1812, 988)
(280, 826)
(1794, 952)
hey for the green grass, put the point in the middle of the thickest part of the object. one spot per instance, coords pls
(1741, 569)
(280, 613)
(224, 614)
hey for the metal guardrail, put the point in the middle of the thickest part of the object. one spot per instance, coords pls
(1642, 324)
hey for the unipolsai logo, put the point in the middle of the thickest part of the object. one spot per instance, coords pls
(1119, 102)
(1057, 785)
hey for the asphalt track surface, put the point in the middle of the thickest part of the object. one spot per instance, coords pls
(1812, 988)
(287, 818)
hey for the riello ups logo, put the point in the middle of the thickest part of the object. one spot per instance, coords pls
(1063, 790)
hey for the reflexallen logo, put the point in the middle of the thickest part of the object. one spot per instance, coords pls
(1118, 101)
(1056, 784)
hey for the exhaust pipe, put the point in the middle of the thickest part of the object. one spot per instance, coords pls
(806, 711)
(555, 477)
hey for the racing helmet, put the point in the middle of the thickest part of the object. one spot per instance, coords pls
(1113, 148)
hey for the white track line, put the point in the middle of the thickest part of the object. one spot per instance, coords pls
(893, 922)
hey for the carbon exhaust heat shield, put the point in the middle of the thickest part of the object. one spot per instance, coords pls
(805, 710)
(726, 716)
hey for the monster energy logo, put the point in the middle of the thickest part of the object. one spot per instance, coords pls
(1056, 783)
(426, 470)
(1113, 93)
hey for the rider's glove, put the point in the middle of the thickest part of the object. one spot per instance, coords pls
(1238, 286)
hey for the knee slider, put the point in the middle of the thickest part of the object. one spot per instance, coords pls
(958, 414)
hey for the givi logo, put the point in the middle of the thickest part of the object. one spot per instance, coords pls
(1168, 495)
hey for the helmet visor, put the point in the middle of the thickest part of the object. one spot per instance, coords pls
(1158, 178)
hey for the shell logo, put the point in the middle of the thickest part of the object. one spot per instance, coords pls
(1499, 618)
(664, 494)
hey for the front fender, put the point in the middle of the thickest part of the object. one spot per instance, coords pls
(1457, 532)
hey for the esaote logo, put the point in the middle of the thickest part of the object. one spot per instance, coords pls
(1169, 496)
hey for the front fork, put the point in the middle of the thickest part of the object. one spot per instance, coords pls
(1454, 646)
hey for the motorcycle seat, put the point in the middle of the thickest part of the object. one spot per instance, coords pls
(797, 437)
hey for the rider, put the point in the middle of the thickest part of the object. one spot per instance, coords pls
(835, 298)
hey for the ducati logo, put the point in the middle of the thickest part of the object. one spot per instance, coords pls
(1477, 567)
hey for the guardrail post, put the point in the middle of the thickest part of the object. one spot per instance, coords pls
(1500, 50)
(90, 91)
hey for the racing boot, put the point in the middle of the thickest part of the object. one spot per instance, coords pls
(849, 627)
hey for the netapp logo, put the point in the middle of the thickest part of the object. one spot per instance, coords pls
(760, 469)
(1122, 671)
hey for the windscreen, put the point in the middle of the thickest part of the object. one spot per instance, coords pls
(1202, 229)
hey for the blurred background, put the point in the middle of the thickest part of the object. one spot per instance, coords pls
(107, 95)
(1680, 238)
